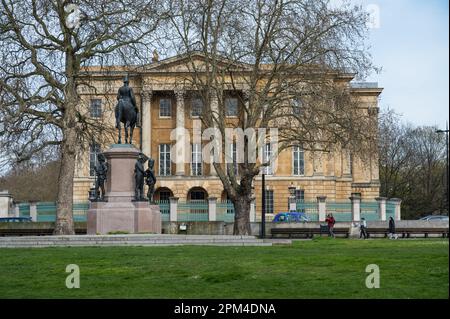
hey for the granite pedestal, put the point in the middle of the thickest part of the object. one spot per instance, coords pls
(119, 211)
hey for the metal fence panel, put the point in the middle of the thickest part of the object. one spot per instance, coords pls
(46, 211)
(193, 211)
(24, 210)
(225, 211)
(164, 207)
(390, 210)
(80, 210)
(310, 209)
(342, 211)
(370, 211)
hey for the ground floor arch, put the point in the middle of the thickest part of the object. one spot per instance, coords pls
(163, 194)
(197, 193)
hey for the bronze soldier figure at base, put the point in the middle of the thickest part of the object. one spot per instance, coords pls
(101, 169)
(150, 180)
(139, 175)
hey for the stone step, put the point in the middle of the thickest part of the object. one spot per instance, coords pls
(125, 237)
(130, 240)
(111, 244)
(127, 242)
(138, 245)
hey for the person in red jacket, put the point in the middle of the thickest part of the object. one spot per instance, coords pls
(330, 221)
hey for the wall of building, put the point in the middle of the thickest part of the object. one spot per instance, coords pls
(326, 174)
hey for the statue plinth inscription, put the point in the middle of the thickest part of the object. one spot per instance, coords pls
(120, 211)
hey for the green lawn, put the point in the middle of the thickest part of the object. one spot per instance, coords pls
(320, 268)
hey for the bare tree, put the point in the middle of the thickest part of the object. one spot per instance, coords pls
(289, 61)
(397, 160)
(44, 46)
(412, 166)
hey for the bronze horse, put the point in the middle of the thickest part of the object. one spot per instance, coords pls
(126, 111)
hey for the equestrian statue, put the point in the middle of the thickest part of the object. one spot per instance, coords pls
(126, 111)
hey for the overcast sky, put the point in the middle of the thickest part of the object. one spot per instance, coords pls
(412, 46)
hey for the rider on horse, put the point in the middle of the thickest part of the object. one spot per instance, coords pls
(124, 95)
(126, 111)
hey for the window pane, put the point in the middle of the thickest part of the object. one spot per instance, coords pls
(164, 159)
(299, 195)
(197, 195)
(96, 108)
(296, 106)
(231, 106)
(269, 201)
(196, 165)
(298, 161)
(197, 107)
(268, 158)
(164, 195)
(165, 107)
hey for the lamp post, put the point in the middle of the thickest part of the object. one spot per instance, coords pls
(263, 205)
(446, 163)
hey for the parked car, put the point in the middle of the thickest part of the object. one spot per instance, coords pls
(15, 219)
(435, 217)
(291, 217)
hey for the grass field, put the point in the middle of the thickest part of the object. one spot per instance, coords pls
(320, 268)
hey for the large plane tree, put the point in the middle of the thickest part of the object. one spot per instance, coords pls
(44, 45)
(286, 57)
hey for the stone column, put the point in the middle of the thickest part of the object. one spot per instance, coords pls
(397, 202)
(33, 211)
(253, 211)
(16, 210)
(212, 206)
(382, 207)
(146, 118)
(173, 208)
(322, 207)
(356, 207)
(180, 124)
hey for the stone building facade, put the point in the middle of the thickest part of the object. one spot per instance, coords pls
(166, 104)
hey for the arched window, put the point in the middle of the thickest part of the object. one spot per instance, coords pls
(197, 193)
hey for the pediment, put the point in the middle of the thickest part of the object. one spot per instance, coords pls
(189, 63)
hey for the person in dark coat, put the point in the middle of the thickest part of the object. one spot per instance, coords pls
(139, 175)
(330, 221)
(392, 234)
(363, 229)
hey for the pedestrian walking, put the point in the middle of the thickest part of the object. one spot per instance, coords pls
(392, 234)
(330, 221)
(363, 228)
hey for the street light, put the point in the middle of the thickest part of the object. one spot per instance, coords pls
(263, 205)
(446, 162)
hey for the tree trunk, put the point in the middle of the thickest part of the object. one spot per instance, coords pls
(242, 215)
(64, 216)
